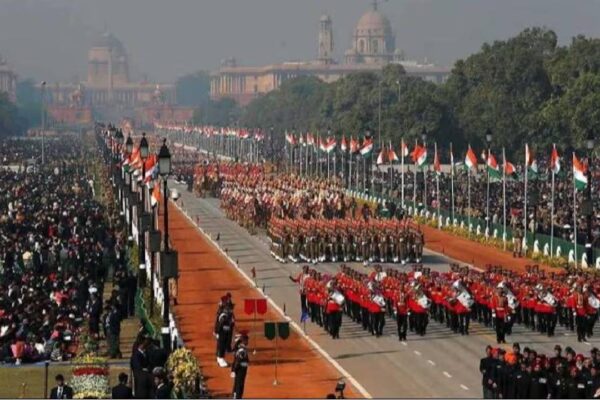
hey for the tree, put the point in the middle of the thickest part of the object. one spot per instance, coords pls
(223, 112)
(10, 124)
(193, 89)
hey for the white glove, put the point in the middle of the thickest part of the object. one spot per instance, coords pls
(232, 375)
(216, 335)
(574, 314)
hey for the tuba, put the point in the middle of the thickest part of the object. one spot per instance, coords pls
(513, 302)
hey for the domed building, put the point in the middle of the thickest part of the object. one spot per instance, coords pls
(107, 59)
(109, 92)
(373, 46)
(373, 41)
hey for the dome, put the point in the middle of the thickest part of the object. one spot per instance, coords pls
(108, 40)
(325, 18)
(373, 21)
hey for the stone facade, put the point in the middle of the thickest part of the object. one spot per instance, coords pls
(8, 80)
(373, 47)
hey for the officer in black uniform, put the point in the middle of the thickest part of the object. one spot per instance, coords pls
(223, 327)
(239, 368)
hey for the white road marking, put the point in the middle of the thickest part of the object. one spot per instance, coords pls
(297, 327)
(588, 343)
(431, 362)
(417, 352)
(464, 387)
(447, 374)
(404, 344)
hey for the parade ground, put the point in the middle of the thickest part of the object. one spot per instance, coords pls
(441, 364)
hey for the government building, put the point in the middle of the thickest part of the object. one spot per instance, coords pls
(8, 80)
(109, 93)
(373, 47)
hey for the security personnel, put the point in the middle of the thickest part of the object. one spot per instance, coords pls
(239, 368)
(222, 332)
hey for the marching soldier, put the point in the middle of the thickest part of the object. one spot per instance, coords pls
(301, 281)
(402, 313)
(580, 314)
(499, 306)
(239, 367)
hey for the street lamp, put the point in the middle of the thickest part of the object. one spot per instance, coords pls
(129, 144)
(588, 209)
(424, 136)
(164, 168)
(488, 139)
(43, 117)
(144, 218)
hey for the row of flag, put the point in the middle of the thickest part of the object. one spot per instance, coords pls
(133, 161)
(211, 131)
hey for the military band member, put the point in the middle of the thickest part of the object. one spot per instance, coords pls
(499, 306)
(301, 281)
(402, 313)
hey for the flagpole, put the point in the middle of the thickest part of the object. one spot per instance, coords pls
(437, 188)
(391, 171)
(344, 168)
(425, 180)
(525, 200)
(350, 170)
(575, 216)
(415, 190)
(504, 196)
(469, 199)
(364, 174)
(452, 182)
(402, 172)
(335, 165)
(328, 175)
(552, 211)
(487, 203)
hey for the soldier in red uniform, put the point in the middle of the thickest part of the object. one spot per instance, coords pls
(401, 300)
(580, 314)
(499, 306)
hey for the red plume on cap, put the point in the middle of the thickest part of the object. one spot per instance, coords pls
(224, 298)
(244, 332)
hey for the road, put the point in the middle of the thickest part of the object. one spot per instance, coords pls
(441, 364)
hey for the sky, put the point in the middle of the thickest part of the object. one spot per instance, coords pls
(49, 39)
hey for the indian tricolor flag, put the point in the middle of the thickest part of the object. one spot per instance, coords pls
(392, 156)
(344, 144)
(403, 149)
(436, 162)
(493, 167)
(155, 198)
(419, 156)
(471, 159)
(530, 161)
(354, 147)
(554, 160)
(367, 147)
(330, 145)
(151, 167)
(579, 174)
(509, 168)
(382, 157)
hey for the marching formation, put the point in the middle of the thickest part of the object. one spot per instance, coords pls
(332, 240)
(496, 298)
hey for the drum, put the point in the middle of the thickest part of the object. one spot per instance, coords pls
(549, 299)
(594, 302)
(513, 303)
(379, 300)
(466, 299)
(338, 298)
(424, 302)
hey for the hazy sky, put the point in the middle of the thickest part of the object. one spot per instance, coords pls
(49, 39)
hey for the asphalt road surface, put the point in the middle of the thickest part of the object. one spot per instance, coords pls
(441, 364)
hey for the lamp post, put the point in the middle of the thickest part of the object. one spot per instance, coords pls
(142, 218)
(488, 139)
(164, 167)
(43, 118)
(589, 206)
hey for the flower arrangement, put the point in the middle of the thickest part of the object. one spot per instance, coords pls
(186, 373)
(90, 378)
